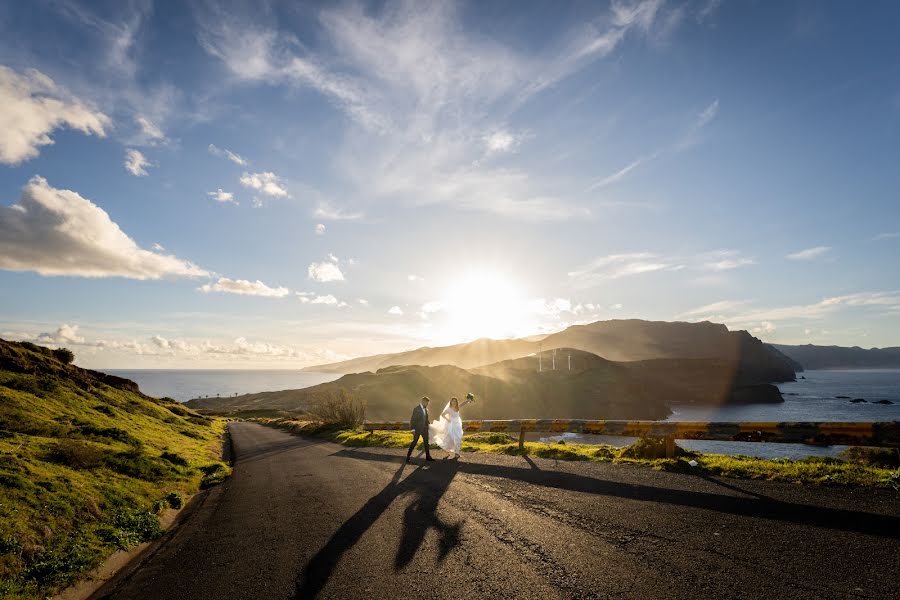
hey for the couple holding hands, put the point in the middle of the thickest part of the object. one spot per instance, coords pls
(446, 431)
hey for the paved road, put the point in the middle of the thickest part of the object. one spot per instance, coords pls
(302, 518)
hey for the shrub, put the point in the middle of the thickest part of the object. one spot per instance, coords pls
(64, 355)
(105, 409)
(214, 474)
(177, 409)
(175, 500)
(129, 528)
(173, 458)
(886, 458)
(59, 566)
(112, 433)
(76, 454)
(341, 408)
(650, 448)
(137, 464)
(488, 437)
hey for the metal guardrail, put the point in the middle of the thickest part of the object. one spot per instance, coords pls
(884, 434)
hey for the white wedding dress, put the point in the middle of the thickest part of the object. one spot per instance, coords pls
(447, 434)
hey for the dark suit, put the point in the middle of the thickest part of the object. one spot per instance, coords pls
(418, 422)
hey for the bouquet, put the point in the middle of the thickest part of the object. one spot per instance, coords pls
(470, 397)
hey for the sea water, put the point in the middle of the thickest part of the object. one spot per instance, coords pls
(813, 397)
(184, 385)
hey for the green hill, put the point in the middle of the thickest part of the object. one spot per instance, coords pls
(86, 461)
(594, 388)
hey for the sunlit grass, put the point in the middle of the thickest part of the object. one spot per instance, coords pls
(813, 470)
(83, 470)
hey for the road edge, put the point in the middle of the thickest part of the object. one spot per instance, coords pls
(122, 563)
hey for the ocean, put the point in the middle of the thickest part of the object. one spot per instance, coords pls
(813, 398)
(184, 385)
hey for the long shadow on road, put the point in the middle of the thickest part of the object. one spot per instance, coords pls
(428, 485)
(885, 526)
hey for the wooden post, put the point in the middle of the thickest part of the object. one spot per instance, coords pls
(670, 446)
(521, 440)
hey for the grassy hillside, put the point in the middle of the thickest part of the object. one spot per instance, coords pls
(86, 463)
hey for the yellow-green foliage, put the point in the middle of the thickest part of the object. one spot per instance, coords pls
(811, 470)
(81, 468)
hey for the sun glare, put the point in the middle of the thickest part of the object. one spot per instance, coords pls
(483, 304)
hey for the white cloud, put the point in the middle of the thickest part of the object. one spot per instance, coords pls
(430, 308)
(709, 113)
(57, 232)
(501, 141)
(136, 163)
(764, 327)
(621, 173)
(33, 107)
(395, 310)
(616, 306)
(326, 210)
(615, 266)
(153, 133)
(737, 312)
(414, 278)
(325, 271)
(809, 253)
(320, 229)
(267, 182)
(222, 196)
(224, 152)
(724, 260)
(887, 236)
(363, 302)
(157, 247)
(66, 334)
(412, 80)
(244, 287)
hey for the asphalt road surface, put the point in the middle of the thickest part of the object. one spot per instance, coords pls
(303, 518)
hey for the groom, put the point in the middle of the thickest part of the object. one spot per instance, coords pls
(419, 424)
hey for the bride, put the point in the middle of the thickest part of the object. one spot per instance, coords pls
(447, 431)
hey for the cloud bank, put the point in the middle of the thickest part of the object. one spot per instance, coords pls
(58, 232)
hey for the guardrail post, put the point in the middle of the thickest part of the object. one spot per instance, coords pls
(521, 440)
(670, 446)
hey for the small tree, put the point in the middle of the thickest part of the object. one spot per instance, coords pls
(64, 355)
(341, 408)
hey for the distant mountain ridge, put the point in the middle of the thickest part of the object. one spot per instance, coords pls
(593, 388)
(615, 340)
(842, 357)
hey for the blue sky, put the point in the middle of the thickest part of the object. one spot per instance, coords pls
(283, 184)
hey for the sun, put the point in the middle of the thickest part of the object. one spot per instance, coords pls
(483, 304)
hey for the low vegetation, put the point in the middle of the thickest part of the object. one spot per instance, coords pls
(87, 464)
(869, 467)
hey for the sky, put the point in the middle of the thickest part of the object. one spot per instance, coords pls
(275, 185)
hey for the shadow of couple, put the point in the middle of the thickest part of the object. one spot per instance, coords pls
(427, 485)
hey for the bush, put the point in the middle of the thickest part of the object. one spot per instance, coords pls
(488, 437)
(129, 528)
(214, 474)
(650, 448)
(175, 500)
(64, 355)
(341, 408)
(137, 464)
(886, 458)
(105, 409)
(173, 458)
(112, 433)
(76, 454)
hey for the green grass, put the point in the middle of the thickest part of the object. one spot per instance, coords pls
(863, 467)
(83, 466)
